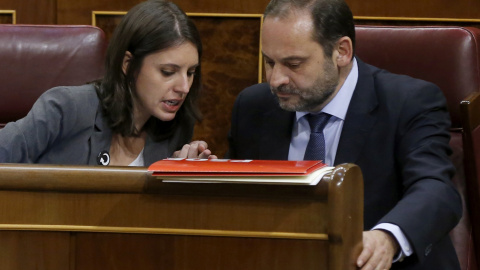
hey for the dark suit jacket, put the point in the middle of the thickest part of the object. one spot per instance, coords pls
(66, 126)
(396, 130)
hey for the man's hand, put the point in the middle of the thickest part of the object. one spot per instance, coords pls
(195, 149)
(379, 247)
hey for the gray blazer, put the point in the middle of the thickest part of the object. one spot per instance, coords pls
(66, 126)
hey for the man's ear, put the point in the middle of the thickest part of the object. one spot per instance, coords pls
(343, 51)
(126, 62)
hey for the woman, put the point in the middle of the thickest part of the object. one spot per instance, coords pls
(142, 111)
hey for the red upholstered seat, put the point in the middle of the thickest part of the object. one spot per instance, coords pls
(470, 111)
(38, 57)
(448, 57)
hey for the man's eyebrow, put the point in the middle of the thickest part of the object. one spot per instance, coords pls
(288, 58)
(294, 58)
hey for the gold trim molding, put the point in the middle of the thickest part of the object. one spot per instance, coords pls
(10, 12)
(112, 13)
(227, 15)
(165, 231)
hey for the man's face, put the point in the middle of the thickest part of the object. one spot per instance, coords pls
(299, 74)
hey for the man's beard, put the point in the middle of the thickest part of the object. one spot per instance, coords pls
(309, 99)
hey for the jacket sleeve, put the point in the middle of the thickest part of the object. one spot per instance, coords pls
(25, 140)
(430, 206)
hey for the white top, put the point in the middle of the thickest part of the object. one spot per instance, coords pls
(139, 161)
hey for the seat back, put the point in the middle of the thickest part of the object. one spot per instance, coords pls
(448, 57)
(38, 57)
(470, 112)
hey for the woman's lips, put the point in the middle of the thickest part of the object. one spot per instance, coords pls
(172, 105)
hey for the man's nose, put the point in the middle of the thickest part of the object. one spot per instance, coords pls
(278, 77)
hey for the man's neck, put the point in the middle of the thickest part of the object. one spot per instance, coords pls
(343, 74)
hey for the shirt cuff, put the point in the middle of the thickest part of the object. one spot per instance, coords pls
(405, 247)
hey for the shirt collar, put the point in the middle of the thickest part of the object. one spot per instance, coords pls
(338, 106)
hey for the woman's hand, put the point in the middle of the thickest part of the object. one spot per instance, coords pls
(195, 149)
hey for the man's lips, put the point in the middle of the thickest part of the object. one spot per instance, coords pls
(283, 94)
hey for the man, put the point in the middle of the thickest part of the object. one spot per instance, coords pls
(394, 127)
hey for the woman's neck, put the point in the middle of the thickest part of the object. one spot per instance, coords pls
(124, 150)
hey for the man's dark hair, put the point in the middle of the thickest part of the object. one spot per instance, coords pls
(149, 27)
(332, 19)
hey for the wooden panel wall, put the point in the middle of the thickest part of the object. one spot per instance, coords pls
(413, 8)
(79, 12)
(31, 12)
(229, 64)
(231, 44)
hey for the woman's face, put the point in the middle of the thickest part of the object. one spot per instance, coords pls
(163, 82)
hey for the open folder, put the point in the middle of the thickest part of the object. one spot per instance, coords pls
(240, 171)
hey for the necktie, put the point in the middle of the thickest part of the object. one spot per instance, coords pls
(316, 145)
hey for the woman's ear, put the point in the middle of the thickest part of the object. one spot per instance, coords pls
(126, 62)
(344, 51)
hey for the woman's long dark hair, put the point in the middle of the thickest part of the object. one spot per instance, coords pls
(149, 27)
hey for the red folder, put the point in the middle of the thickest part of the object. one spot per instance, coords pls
(226, 170)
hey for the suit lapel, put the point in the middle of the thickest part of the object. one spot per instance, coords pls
(155, 151)
(101, 138)
(276, 134)
(360, 117)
